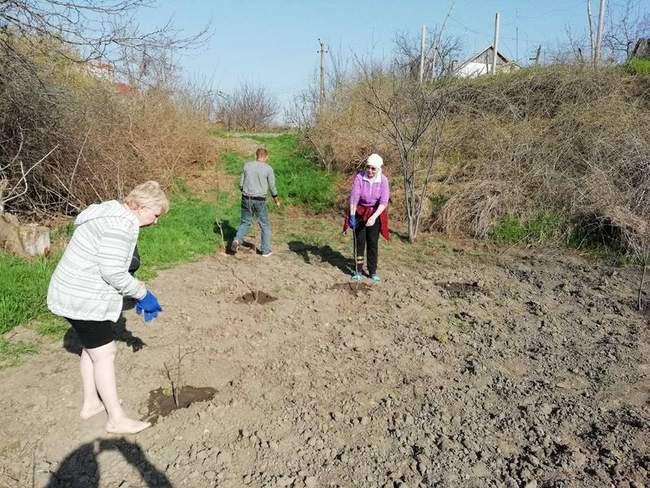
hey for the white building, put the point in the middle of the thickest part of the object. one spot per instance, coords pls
(481, 64)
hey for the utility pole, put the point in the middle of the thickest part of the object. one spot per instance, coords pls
(321, 99)
(592, 39)
(496, 44)
(517, 44)
(422, 43)
(517, 35)
(537, 55)
(599, 33)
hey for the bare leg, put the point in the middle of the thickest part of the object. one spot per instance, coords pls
(92, 405)
(103, 358)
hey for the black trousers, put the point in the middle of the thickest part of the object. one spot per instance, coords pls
(367, 241)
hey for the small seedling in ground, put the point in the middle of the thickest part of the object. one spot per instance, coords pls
(223, 241)
(174, 375)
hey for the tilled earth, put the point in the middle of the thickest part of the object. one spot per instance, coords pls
(462, 368)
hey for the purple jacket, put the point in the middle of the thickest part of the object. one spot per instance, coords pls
(369, 194)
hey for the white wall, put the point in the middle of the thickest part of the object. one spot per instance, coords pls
(473, 69)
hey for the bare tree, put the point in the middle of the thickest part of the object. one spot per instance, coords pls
(301, 114)
(625, 26)
(50, 165)
(249, 108)
(412, 118)
(88, 29)
(339, 71)
(440, 53)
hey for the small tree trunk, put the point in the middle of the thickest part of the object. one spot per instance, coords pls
(412, 231)
(3, 186)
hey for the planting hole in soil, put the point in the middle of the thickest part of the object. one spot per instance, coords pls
(352, 288)
(459, 289)
(162, 402)
(257, 296)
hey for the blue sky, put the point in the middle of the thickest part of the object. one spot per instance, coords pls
(274, 42)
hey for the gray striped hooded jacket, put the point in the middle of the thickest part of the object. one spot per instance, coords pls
(92, 276)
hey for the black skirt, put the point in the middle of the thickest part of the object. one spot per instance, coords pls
(93, 333)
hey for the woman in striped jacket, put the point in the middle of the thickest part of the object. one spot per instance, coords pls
(88, 286)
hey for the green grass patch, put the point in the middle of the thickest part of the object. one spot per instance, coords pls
(437, 202)
(541, 227)
(233, 162)
(637, 66)
(548, 227)
(299, 180)
(50, 325)
(23, 288)
(186, 233)
(13, 353)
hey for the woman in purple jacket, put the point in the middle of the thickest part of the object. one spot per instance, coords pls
(368, 217)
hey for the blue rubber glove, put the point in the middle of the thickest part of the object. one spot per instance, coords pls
(352, 221)
(149, 305)
(149, 316)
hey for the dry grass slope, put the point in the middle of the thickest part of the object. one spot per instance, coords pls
(569, 143)
(70, 139)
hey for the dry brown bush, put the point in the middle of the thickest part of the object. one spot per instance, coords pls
(344, 136)
(574, 142)
(69, 139)
(476, 208)
(585, 156)
(248, 108)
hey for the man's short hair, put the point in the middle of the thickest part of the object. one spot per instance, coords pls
(261, 152)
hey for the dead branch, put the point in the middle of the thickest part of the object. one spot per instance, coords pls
(641, 285)
(23, 177)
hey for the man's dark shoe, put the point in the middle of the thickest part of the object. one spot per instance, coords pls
(234, 245)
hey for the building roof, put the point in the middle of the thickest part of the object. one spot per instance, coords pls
(642, 48)
(477, 57)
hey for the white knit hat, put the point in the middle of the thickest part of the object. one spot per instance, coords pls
(375, 161)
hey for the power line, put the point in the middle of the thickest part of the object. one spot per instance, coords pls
(490, 36)
(543, 15)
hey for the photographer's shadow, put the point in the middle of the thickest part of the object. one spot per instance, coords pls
(80, 468)
(72, 344)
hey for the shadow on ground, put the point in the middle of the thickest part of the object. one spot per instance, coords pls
(325, 253)
(229, 231)
(80, 468)
(72, 344)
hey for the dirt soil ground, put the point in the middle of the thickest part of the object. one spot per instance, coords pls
(462, 368)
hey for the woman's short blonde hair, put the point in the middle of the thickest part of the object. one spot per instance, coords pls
(147, 194)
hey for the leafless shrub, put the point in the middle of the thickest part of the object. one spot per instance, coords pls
(476, 208)
(343, 135)
(411, 119)
(52, 166)
(625, 26)
(86, 29)
(441, 53)
(573, 142)
(249, 108)
(584, 154)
